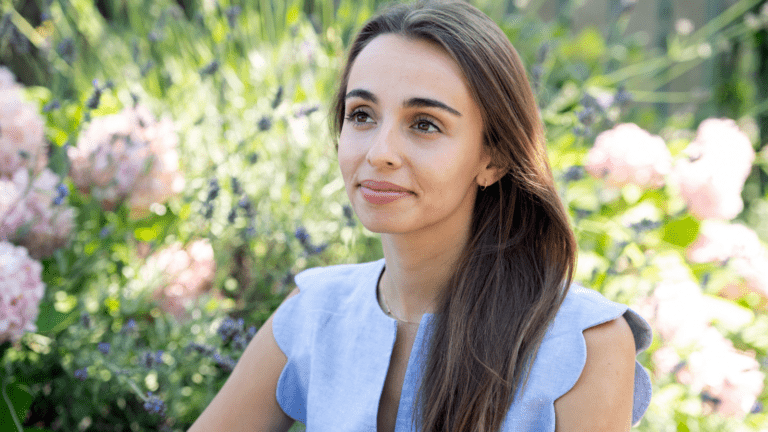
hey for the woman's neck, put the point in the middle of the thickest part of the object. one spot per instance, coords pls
(418, 267)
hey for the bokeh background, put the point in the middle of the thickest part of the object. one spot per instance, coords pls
(166, 168)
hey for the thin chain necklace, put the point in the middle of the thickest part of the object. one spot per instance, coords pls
(389, 311)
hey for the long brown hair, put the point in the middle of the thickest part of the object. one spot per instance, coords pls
(516, 269)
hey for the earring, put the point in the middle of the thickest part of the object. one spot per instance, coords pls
(485, 185)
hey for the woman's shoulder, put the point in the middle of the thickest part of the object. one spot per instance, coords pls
(586, 319)
(584, 308)
(324, 293)
(339, 277)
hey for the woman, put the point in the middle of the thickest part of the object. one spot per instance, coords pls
(468, 323)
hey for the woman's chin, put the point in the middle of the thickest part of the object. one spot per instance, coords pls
(383, 225)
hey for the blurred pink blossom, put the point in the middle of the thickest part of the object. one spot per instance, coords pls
(22, 141)
(30, 216)
(128, 157)
(665, 360)
(21, 289)
(683, 316)
(627, 154)
(739, 246)
(719, 370)
(712, 177)
(185, 273)
(677, 311)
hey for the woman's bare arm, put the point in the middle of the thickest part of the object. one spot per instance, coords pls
(247, 400)
(601, 400)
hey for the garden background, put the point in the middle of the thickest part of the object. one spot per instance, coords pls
(166, 167)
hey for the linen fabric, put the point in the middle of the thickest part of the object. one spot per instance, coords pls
(338, 343)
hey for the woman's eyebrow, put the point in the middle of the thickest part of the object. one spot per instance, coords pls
(362, 94)
(415, 102)
(429, 103)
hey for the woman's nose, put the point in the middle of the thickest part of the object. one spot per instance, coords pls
(385, 149)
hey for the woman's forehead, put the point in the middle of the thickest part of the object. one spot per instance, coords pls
(396, 67)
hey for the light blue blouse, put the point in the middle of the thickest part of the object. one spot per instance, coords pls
(338, 343)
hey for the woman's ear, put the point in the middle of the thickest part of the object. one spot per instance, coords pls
(491, 173)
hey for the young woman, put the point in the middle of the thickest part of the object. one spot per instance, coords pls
(469, 322)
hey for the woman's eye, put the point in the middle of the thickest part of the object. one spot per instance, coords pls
(426, 126)
(359, 117)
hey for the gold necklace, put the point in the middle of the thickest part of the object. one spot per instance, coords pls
(386, 305)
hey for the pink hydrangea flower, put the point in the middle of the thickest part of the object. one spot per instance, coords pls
(22, 139)
(720, 242)
(21, 289)
(185, 273)
(29, 215)
(719, 370)
(712, 177)
(627, 154)
(128, 157)
(677, 310)
(665, 360)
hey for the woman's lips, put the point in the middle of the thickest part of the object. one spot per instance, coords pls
(381, 197)
(382, 192)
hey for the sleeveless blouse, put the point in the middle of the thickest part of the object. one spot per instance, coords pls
(338, 343)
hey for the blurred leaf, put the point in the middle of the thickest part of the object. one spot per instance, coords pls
(146, 234)
(20, 400)
(588, 45)
(58, 161)
(51, 321)
(681, 232)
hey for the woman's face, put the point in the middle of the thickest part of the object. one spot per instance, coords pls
(410, 121)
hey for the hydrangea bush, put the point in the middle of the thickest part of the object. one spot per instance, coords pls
(21, 289)
(129, 157)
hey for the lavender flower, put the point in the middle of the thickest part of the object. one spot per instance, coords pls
(573, 173)
(239, 342)
(104, 347)
(210, 68)
(229, 328)
(278, 97)
(265, 124)
(305, 111)
(93, 101)
(306, 242)
(52, 105)
(232, 14)
(226, 363)
(104, 233)
(149, 360)
(235, 183)
(81, 374)
(645, 225)
(213, 190)
(153, 404)
(144, 70)
(349, 216)
(201, 348)
(62, 191)
(757, 408)
(129, 326)
(622, 96)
